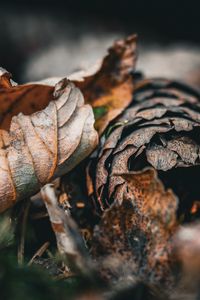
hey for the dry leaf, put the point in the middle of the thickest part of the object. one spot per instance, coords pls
(108, 86)
(137, 235)
(110, 89)
(26, 98)
(43, 145)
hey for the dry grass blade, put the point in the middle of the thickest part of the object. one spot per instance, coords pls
(39, 252)
(23, 224)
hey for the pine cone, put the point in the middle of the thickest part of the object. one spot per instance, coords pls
(161, 130)
(146, 172)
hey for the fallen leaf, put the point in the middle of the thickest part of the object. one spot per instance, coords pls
(108, 85)
(138, 233)
(43, 145)
(110, 88)
(26, 98)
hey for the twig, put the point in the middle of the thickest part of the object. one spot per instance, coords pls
(39, 252)
(69, 241)
(20, 253)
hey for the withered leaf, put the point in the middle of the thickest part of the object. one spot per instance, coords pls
(110, 89)
(138, 233)
(26, 98)
(108, 86)
(45, 144)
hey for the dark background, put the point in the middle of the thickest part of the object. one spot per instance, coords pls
(39, 38)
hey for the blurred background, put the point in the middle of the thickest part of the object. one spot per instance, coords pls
(43, 38)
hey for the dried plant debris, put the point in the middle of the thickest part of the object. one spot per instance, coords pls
(46, 129)
(33, 283)
(144, 181)
(129, 197)
(110, 89)
(69, 241)
(134, 239)
(160, 129)
(43, 145)
(108, 86)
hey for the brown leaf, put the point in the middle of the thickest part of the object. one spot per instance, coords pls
(46, 144)
(138, 233)
(108, 86)
(110, 89)
(26, 98)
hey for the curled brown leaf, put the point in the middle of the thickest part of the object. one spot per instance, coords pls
(108, 87)
(45, 144)
(111, 87)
